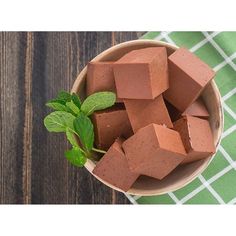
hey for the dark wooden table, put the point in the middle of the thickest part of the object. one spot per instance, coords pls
(33, 68)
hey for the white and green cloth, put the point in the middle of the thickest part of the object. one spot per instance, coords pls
(217, 184)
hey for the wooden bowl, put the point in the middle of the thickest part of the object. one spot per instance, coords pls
(182, 175)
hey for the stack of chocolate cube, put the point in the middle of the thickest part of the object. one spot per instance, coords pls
(159, 120)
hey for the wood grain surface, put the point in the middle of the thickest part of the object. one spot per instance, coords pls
(34, 66)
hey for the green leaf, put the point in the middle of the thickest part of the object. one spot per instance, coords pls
(58, 121)
(98, 101)
(75, 98)
(71, 138)
(75, 157)
(64, 96)
(57, 106)
(56, 101)
(73, 107)
(84, 128)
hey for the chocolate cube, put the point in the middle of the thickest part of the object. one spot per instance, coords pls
(142, 74)
(144, 112)
(100, 77)
(154, 151)
(197, 109)
(113, 168)
(196, 136)
(188, 76)
(110, 124)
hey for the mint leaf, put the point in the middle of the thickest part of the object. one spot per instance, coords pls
(75, 98)
(98, 101)
(56, 101)
(75, 157)
(73, 107)
(71, 138)
(84, 128)
(64, 96)
(57, 106)
(58, 121)
(65, 102)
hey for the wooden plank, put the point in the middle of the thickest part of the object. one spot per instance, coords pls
(49, 171)
(12, 79)
(27, 154)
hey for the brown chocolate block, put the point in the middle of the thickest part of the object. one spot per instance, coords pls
(188, 76)
(144, 112)
(110, 124)
(142, 74)
(113, 168)
(196, 136)
(197, 109)
(154, 151)
(100, 77)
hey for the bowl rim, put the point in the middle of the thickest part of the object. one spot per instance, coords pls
(89, 164)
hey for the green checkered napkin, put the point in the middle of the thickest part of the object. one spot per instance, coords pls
(217, 184)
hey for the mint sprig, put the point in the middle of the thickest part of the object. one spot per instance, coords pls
(71, 116)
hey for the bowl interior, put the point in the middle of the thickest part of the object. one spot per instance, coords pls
(184, 174)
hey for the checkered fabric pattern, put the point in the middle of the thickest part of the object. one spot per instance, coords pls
(217, 184)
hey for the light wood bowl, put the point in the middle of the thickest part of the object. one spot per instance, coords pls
(184, 174)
